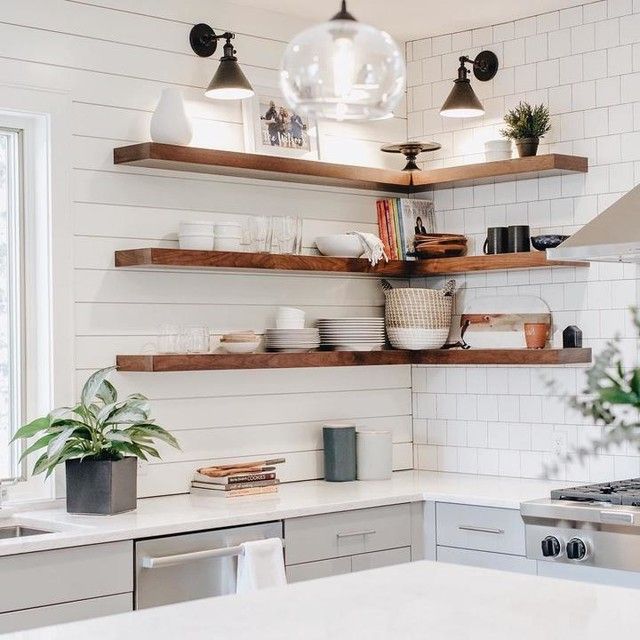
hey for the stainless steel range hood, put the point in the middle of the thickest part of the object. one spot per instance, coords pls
(613, 236)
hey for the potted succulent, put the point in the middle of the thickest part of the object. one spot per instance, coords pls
(100, 441)
(526, 125)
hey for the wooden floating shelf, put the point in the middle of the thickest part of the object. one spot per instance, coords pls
(215, 362)
(183, 258)
(154, 155)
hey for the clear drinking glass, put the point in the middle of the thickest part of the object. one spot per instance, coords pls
(259, 233)
(198, 340)
(168, 338)
(284, 234)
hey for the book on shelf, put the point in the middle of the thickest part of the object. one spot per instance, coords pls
(235, 493)
(234, 487)
(399, 220)
(267, 474)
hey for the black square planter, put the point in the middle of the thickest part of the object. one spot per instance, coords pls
(101, 487)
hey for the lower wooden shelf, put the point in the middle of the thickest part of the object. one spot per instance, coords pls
(216, 362)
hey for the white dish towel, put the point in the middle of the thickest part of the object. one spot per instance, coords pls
(371, 246)
(260, 565)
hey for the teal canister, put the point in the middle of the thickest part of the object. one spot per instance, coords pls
(339, 441)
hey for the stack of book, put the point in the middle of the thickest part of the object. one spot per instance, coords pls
(399, 221)
(235, 480)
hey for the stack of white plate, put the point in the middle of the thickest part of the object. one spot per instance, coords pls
(352, 334)
(292, 340)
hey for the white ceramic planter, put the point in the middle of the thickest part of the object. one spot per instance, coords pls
(170, 124)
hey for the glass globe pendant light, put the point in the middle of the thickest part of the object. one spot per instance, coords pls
(343, 70)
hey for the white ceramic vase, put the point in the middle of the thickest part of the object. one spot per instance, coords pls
(170, 123)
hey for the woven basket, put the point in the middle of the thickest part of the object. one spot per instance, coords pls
(418, 318)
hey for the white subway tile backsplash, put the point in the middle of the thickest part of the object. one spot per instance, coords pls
(570, 17)
(514, 52)
(607, 33)
(584, 62)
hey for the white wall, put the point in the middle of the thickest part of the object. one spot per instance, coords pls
(583, 62)
(114, 57)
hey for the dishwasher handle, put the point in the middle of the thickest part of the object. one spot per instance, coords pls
(151, 562)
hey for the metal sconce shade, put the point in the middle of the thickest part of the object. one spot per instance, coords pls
(462, 101)
(229, 82)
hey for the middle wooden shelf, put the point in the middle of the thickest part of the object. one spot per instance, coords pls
(225, 361)
(158, 258)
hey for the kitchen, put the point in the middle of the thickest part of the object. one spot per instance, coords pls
(470, 438)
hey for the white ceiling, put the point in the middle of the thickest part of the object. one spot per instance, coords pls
(414, 19)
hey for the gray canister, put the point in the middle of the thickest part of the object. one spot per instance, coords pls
(339, 452)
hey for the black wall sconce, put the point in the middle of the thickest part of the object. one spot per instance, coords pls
(462, 101)
(229, 81)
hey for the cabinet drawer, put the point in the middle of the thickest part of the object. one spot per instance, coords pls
(63, 575)
(319, 569)
(377, 559)
(68, 612)
(487, 560)
(481, 528)
(347, 533)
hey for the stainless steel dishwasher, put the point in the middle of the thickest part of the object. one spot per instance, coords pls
(192, 565)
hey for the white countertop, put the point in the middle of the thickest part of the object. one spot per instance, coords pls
(418, 600)
(175, 514)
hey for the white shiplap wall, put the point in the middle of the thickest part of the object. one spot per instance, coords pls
(583, 62)
(114, 57)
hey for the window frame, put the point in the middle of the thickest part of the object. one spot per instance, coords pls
(44, 118)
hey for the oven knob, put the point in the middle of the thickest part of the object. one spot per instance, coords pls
(576, 549)
(550, 547)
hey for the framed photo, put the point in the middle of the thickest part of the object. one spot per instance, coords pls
(272, 128)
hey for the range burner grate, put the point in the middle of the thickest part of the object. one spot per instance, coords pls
(624, 492)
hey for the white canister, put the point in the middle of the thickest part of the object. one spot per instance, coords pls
(227, 244)
(196, 242)
(374, 451)
(497, 150)
(228, 230)
(170, 123)
(197, 228)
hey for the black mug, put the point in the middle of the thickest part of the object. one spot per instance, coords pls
(518, 238)
(497, 241)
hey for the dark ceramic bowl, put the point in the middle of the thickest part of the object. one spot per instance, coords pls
(541, 243)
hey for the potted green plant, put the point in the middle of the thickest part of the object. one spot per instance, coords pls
(100, 441)
(526, 125)
(612, 399)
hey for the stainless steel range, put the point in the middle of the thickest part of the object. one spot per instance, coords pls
(596, 525)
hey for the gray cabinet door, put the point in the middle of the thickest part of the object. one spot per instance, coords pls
(319, 569)
(347, 533)
(62, 575)
(487, 560)
(67, 612)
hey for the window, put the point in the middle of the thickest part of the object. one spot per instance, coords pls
(36, 259)
(11, 297)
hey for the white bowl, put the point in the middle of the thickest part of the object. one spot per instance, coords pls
(197, 228)
(240, 347)
(227, 244)
(196, 242)
(417, 339)
(494, 156)
(339, 245)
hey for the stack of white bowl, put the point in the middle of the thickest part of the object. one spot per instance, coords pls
(196, 235)
(495, 150)
(292, 340)
(289, 318)
(352, 334)
(228, 235)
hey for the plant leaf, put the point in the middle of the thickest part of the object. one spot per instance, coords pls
(156, 432)
(92, 385)
(58, 443)
(30, 430)
(107, 393)
(38, 444)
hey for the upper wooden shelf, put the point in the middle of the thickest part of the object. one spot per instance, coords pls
(216, 362)
(250, 165)
(552, 164)
(182, 258)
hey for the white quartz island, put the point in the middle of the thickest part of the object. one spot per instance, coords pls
(422, 600)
